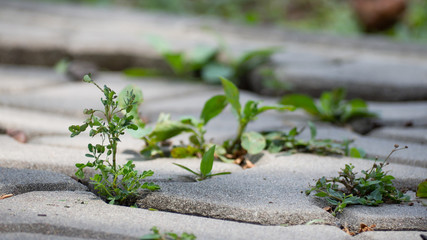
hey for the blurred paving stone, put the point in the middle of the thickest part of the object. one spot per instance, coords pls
(386, 235)
(405, 134)
(363, 79)
(18, 181)
(14, 80)
(72, 98)
(369, 68)
(83, 215)
(373, 146)
(36, 123)
(386, 217)
(401, 114)
(270, 193)
(36, 236)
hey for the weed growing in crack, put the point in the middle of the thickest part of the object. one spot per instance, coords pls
(157, 235)
(372, 188)
(252, 142)
(205, 166)
(278, 141)
(118, 184)
(331, 106)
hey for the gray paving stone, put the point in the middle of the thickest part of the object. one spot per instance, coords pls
(17, 181)
(13, 79)
(405, 134)
(383, 235)
(401, 114)
(374, 147)
(72, 98)
(370, 80)
(270, 193)
(60, 30)
(36, 236)
(387, 217)
(36, 123)
(83, 215)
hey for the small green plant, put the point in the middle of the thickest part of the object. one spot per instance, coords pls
(278, 141)
(155, 139)
(252, 142)
(118, 184)
(205, 166)
(372, 188)
(156, 235)
(331, 106)
(206, 63)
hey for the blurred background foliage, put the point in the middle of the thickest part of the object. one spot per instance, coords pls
(330, 16)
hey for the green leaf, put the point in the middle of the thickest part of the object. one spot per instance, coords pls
(200, 55)
(422, 189)
(140, 132)
(313, 130)
(213, 107)
(253, 142)
(301, 101)
(141, 72)
(158, 43)
(232, 94)
(207, 161)
(87, 78)
(357, 153)
(177, 62)
(186, 168)
(211, 73)
(276, 107)
(168, 129)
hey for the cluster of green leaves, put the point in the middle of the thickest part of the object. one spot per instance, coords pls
(252, 142)
(372, 188)
(206, 63)
(332, 106)
(118, 184)
(278, 141)
(156, 235)
(205, 166)
(155, 138)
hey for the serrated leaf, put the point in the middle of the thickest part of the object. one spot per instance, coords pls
(253, 142)
(214, 106)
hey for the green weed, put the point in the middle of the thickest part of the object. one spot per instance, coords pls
(118, 184)
(372, 188)
(332, 106)
(156, 235)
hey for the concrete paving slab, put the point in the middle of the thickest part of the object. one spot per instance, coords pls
(374, 147)
(256, 195)
(14, 80)
(36, 123)
(370, 80)
(36, 236)
(401, 114)
(404, 134)
(383, 235)
(314, 167)
(83, 215)
(18, 181)
(387, 217)
(72, 98)
(275, 185)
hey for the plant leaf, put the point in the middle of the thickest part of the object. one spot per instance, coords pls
(207, 161)
(313, 130)
(253, 142)
(213, 107)
(422, 189)
(168, 129)
(301, 101)
(212, 72)
(186, 168)
(232, 94)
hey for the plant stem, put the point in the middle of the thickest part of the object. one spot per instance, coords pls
(242, 127)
